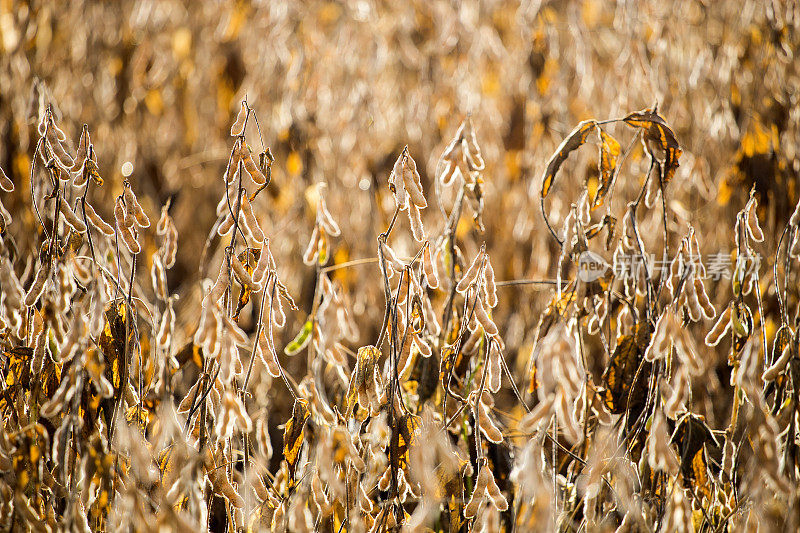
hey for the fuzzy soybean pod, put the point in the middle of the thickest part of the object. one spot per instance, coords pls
(705, 302)
(415, 219)
(165, 327)
(250, 166)
(37, 288)
(265, 350)
(170, 246)
(310, 255)
(219, 287)
(488, 427)
(97, 221)
(237, 128)
(490, 286)
(120, 216)
(158, 277)
(483, 317)
(326, 220)
(263, 264)
(83, 149)
(692, 300)
(70, 217)
(719, 329)
(411, 180)
(772, 373)
(753, 227)
(429, 267)
(5, 183)
(64, 160)
(129, 238)
(541, 413)
(249, 221)
(494, 376)
(471, 274)
(478, 492)
(134, 209)
(242, 275)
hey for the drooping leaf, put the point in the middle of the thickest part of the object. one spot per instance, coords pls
(609, 154)
(620, 378)
(574, 140)
(359, 381)
(293, 435)
(658, 133)
(691, 436)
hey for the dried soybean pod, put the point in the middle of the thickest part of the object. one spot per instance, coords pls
(263, 264)
(64, 159)
(480, 313)
(494, 377)
(96, 220)
(266, 351)
(326, 220)
(249, 220)
(165, 327)
(170, 246)
(218, 289)
(494, 493)
(389, 254)
(705, 302)
(134, 209)
(5, 183)
(250, 166)
(238, 126)
(429, 267)
(37, 288)
(226, 225)
(411, 180)
(471, 273)
(242, 274)
(310, 255)
(415, 218)
(753, 226)
(692, 300)
(120, 216)
(488, 427)
(478, 492)
(70, 216)
(772, 373)
(164, 220)
(129, 238)
(490, 287)
(396, 184)
(158, 277)
(719, 329)
(83, 149)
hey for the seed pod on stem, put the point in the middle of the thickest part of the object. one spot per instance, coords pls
(310, 255)
(471, 274)
(238, 126)
(97, 221)
(134, 209)
(70, 217)
(83, 149)
(250, 166)
(326, 220)
(429, 267)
